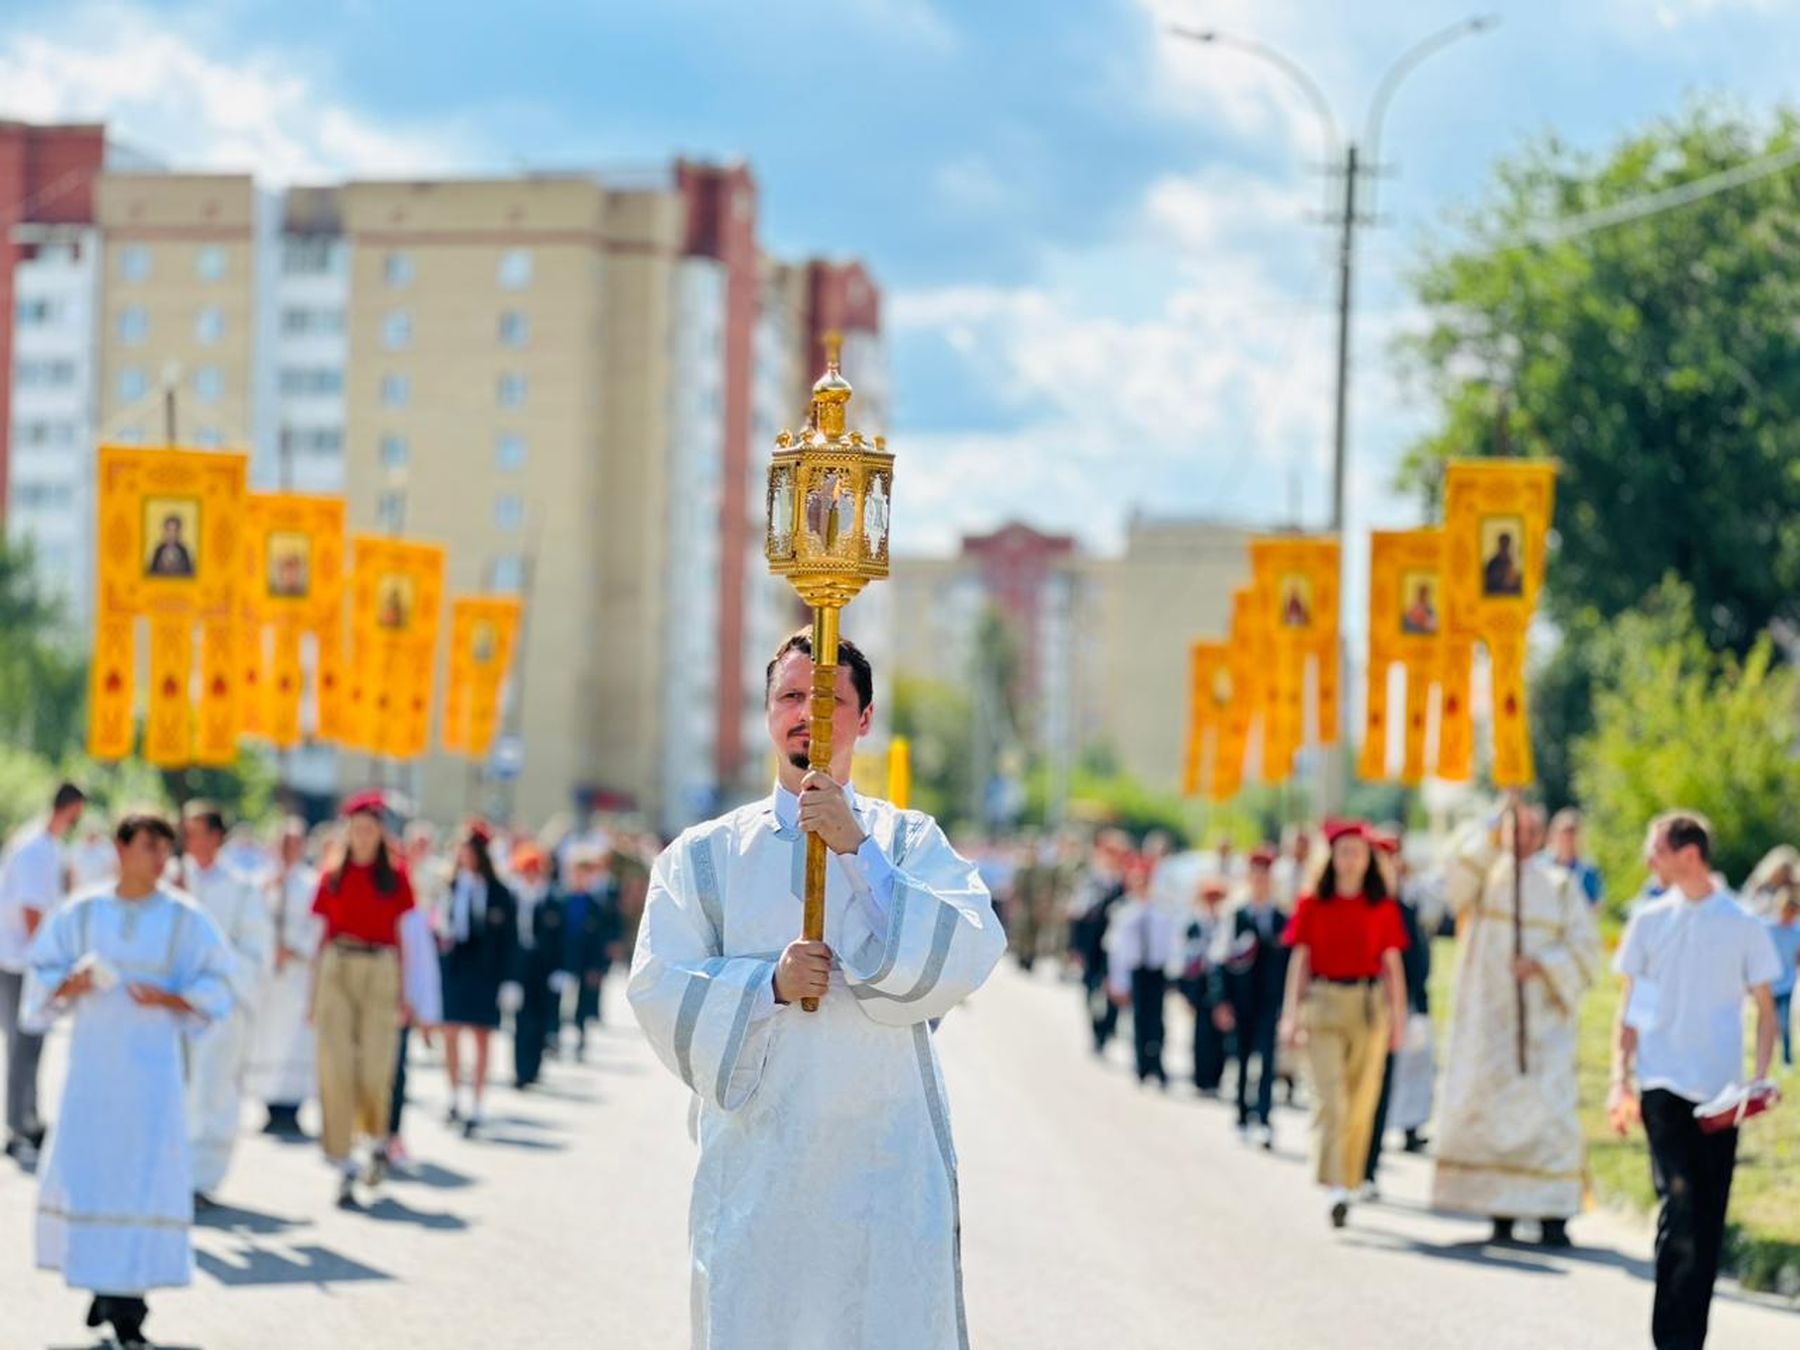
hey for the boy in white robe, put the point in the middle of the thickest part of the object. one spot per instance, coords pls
(140, 966)
(824, 1209)
(216, 1057)
(280, 1071)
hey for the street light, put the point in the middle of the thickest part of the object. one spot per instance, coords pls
(1348, 217)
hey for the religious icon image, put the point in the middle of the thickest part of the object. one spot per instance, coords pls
(821, 513)
(172, 527)
(875, 518)
(1221, 688)
(1296, 601)
(1502, 555)
(394, 602)
(484, 643)
(289, 565)
(1419, 604)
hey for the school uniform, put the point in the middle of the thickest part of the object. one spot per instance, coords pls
(1251, 977)
(1140, 950)
(540, 963)
(590, 928)
(481, 943)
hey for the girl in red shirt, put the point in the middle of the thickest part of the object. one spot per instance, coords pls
(356, 992)
(1346, 999)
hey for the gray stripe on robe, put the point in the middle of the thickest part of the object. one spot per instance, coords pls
(706, 885)
(940, 1126)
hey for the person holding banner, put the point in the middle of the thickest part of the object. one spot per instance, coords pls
(825, 1208)
(1508, 1140)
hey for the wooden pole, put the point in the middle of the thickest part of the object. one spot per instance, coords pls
(824, 705)
(1518, 922)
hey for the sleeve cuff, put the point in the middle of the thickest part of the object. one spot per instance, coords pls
(871, 876)
(765, 1005)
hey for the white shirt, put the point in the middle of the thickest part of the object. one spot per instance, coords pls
(1702, 957)
(30, 878)
(1142, 936)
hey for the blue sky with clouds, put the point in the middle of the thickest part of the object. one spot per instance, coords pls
(1105, 292)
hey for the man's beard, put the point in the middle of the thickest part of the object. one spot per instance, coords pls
(800, 759)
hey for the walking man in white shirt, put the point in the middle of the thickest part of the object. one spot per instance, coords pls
(1704, 953)
(31, 884)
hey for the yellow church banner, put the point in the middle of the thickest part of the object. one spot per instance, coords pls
(1209, 698)
(1496, 524)
(1406, 628)
(294, 585)
(168, 551)
(1296, 580)
(484, 632)
(396, 597)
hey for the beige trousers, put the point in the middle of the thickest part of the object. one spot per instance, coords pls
(356, 1014)
(1346, 1044)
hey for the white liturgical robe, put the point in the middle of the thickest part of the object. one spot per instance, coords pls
(115, 1196)
(824, 1210)
(281, 1065)
(1509, 1144)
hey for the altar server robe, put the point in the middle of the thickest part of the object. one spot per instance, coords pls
(824, 1209)
(216, 1056)
(115, 1195)
(1509, 1144)
(281, 1066)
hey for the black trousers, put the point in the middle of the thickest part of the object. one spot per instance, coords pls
(531, 1024)
(397, 1103)
(1102, 1011)
(1380, 1126)
(1256, 1037)
(1209, 1045)
(1149, 991)
(1692, 1172)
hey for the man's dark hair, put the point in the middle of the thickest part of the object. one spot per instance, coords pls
(208, 814)
(862, 674)
(67, 794)
(134, 823)
(1683, 831)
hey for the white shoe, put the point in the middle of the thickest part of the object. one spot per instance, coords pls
(1263, 1137)
(1366, 1192)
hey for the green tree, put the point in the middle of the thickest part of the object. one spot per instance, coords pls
(1657, 360)
(936, 717)
(1678, 724)
(43, 679)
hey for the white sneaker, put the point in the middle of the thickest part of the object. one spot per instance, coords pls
(1263, 1137)
(1366, 1192)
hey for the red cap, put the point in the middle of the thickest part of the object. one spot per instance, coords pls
(1263, 855)
(1344, 829)
(528, 860)
(1214, 886)
(481, 831)
(370, 802)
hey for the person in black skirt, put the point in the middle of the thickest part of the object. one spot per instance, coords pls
(479, 949)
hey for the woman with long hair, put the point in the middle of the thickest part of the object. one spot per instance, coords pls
(1346, 998)
(356, 1001)
(479, 945)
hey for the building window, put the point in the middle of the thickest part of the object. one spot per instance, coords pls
(209, 438)
(134, 325)
(38, 310)
(209, 326)
(133, 384)
(209, 263)
(396, 391)
(390, 511)
(311, 257)
(507, 573)
(134, 263)
(298, 321)
(397, 268)
(396, 330)
(512, 391)
(311, 440)
(515, 269)
(303, 380)
(209, 384)
(515, 328)
(509, 511)
(509, 453)
(394, 452)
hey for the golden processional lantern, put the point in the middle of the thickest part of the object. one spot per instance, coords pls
(830, 492)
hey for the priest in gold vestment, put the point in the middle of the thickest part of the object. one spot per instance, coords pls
(1508, 1142)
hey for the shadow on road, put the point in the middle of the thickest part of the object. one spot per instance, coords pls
(1519, 1260)
(297, 1265)
(434, 1175)
(521, 1141)
(236, 1219)
(389, 1210)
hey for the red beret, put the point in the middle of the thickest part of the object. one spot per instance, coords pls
(370, 801)
(1344, 829)
(1263, 855)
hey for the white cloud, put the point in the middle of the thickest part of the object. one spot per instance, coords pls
(165, 94)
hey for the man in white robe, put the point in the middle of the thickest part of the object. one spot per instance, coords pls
(216, 1057)
(140, 966)
(281, 1071)
(1509, 1144)
(824, 1211)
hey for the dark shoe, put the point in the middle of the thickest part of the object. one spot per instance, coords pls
(127, 1317)
(378, 1169)
(204, 1202)
(36, 1137)
(346, 1195)
(1503, 1232)
(1340, 1213)
(469, 1128)
(1415, 1142)
(99, 1310)
(452, 1116)
(1554, 1233)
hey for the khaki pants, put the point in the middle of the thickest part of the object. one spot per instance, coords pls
(356, 1013)
(1347, 1045)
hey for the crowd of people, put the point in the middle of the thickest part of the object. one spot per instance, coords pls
(1306, 965)
(202, 966)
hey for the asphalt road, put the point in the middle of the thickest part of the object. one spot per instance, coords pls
(1095, 1213)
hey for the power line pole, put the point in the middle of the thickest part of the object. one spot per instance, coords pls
(1340, 427)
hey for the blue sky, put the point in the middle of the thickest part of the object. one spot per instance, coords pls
(1104, 291)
